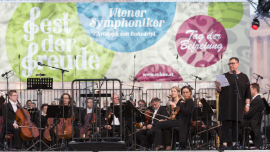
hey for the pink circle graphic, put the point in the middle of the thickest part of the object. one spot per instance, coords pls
(201, 41)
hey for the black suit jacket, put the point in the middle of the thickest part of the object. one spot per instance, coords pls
(105, 119)
(161, 111)
(184, 119)
(11, 116)
(254, 114)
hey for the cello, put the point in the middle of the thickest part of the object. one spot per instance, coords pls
(67, 122)
(29, 131)
(46, 136)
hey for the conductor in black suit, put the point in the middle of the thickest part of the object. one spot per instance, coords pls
(253, 117)
(147, 132)
(12, 125)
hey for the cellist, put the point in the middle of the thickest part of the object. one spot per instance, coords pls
(87, 110)
(12, 125)
(66, 100)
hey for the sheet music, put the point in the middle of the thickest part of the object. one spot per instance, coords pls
(223, 80)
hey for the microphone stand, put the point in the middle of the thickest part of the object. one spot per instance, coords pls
(62, 71)
(195, 99)
(6, 148)
(237, 94)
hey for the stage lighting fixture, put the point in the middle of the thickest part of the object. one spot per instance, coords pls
(255, 24)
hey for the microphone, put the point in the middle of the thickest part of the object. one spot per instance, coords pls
(259, 76)
(40, 64)
(104, 76)
(234, 73)
(190, 86)
(177, 56)
(135, 78)
(196, 76)
(6, 73)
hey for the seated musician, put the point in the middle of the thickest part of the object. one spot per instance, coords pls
(181, 121)
(66, 100)
(12, 125)
(105, 104)
(252, 117)
(146, 134)
(113, 121)
(87, 110)
(28, 105)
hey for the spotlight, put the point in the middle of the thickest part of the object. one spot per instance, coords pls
(255, 24)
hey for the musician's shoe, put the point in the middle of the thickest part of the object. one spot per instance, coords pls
(235, 147)
(159, 148)
(221, 148)
(256, 148)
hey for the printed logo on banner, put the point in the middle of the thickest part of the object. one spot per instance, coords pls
(126, 27)
(51, 33)
(201, 41)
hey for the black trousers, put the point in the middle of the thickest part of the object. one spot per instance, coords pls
(163, 132)
(268, 132)
(110, 131)
(17, 137)
(229, 131)
(146, 136)
(257, 139)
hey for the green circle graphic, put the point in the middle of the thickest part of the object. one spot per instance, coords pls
(228, 14)
(51, 33)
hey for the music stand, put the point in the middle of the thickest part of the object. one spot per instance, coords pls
(56, 112)
(37, 84)
(132, 111)
(207, 109)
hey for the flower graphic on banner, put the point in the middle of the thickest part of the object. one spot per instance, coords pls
(201, 41)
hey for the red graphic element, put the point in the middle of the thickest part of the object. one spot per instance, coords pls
(158, 72)
(201, 41)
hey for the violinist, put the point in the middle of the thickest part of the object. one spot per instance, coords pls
(12, 125)
(181, 118)
(28, 105)
(146, 134)
(113, 121)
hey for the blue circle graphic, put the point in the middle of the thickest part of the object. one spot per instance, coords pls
(126, 27)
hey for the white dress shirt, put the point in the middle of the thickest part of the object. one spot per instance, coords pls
(89, 110)
(255, 96)
(115, 121)
(154, 115)
(14, 105)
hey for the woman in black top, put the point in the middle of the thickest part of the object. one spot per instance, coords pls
(43, 115)
(180, 120)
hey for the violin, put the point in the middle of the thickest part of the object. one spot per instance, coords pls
(85, 129)
(199, 124)
(29, 132)
(148, 116)
(174, 113)
(109, 116)
(46, 136)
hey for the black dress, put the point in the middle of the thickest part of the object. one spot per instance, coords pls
(227, 97)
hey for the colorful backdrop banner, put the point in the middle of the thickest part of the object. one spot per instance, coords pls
(153, 41)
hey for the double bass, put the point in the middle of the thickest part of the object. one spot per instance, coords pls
(29, 131)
